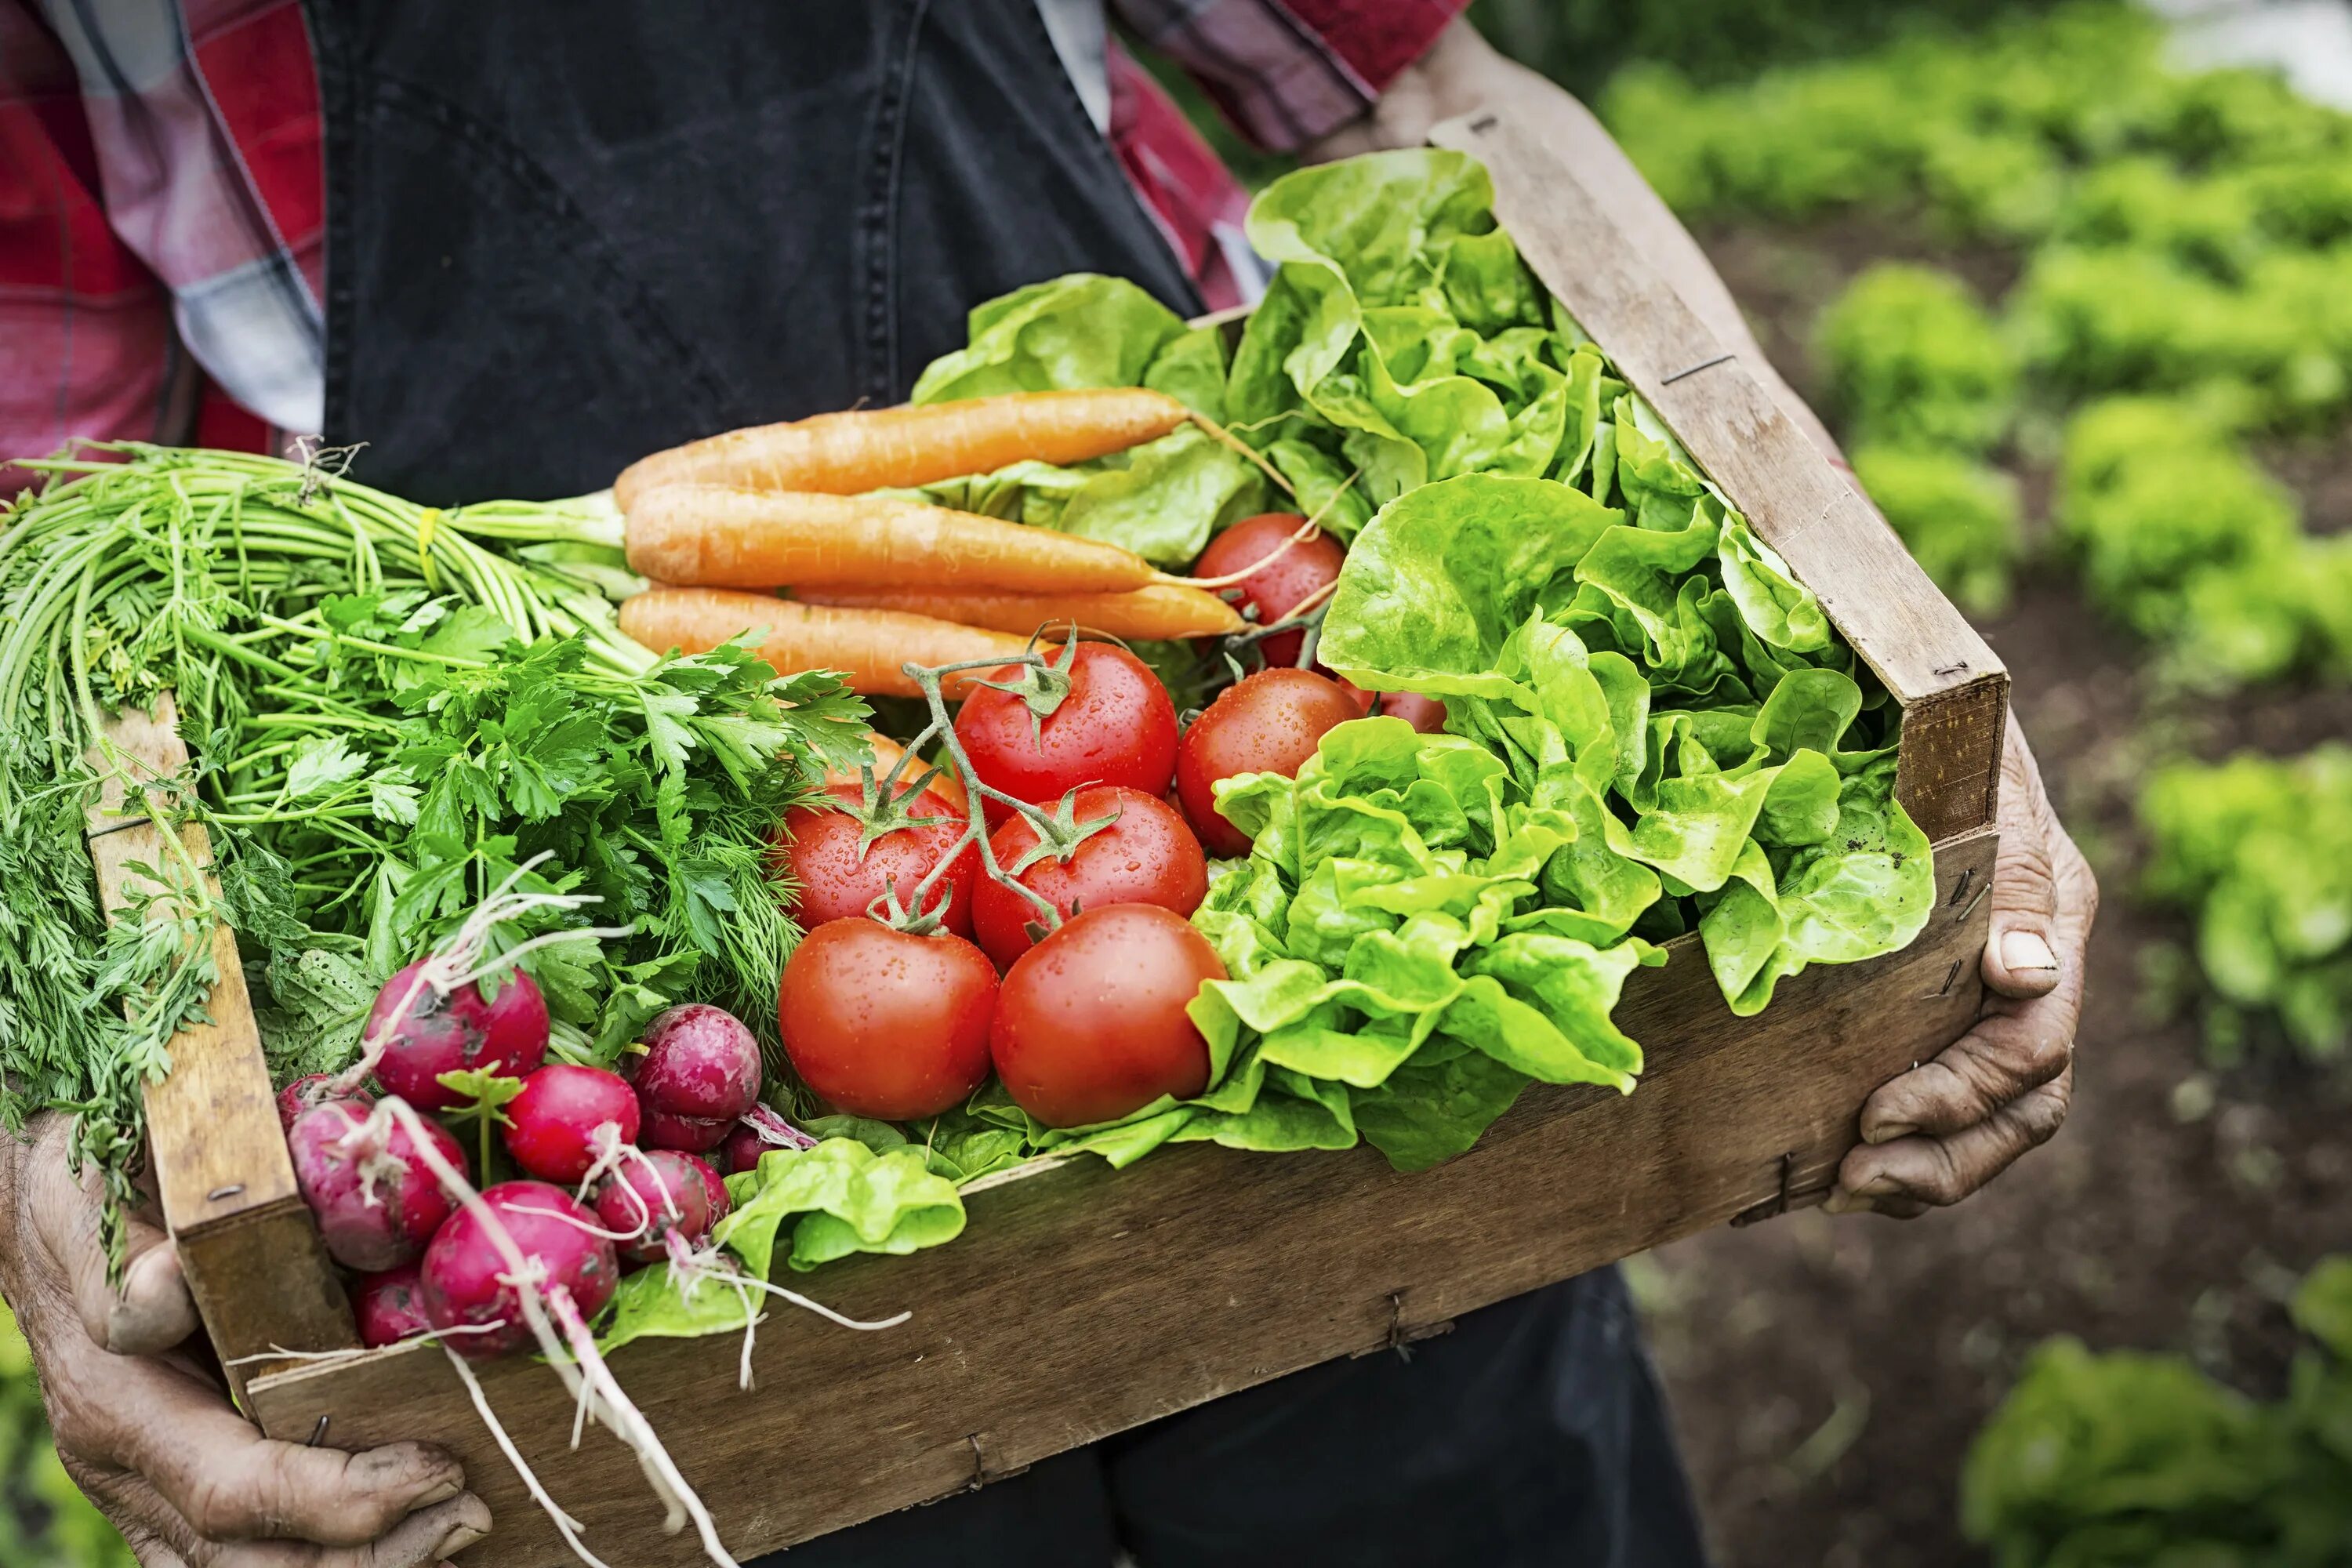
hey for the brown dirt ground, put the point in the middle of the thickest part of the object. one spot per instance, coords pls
(1828, 1373)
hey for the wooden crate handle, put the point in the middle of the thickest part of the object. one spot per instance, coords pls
(261, 1278)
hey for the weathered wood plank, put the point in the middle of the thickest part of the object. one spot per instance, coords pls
(1904, 629)
(1082, 1300)
(252, 1257)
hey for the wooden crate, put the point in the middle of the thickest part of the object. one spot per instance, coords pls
(1081, 1301)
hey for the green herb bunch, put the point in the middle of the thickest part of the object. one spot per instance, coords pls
(391, 711)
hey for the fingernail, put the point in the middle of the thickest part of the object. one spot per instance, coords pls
(458, 1540)
(2024, 950)
(441, 1490)
(1889, 1132)
(1840, 1201)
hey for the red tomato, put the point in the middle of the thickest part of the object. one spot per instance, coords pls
(1090, 1024)
(1147, 857)
(1426, 714)
(1286, 580)
(883, 1023)
(1264, 723)
(819, 847)
(1116, 726)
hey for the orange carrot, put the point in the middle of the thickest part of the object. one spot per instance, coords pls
(714, 536)
(868, 647)
(886, 752)
(843, 454)
(1161, 610)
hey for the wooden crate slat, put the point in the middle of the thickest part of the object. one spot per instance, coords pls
(1082, 1300)
(1933, 661)
(247, 1246)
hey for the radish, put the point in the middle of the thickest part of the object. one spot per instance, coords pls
(313, 1088)
(652, 1196)
(376, 1203)
(700, 1071)
(468, 1283)
(390, 1307)
(428, 1029)
(760, 1130)
(687, 1134)
(722, 1201)
(566, 1117)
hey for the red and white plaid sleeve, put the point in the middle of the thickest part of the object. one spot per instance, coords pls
(1288, 72)
(161, 204)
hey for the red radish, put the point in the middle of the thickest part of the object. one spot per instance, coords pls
(465, 1277)
(1269, 722)
(376, 1203)
(555, 1126)
(687, 1134)
(427, 1031)
(714, 1187)
(840, 874)
(699, 1063)
(652, 1196)
(312, 1088)
(1147, 855)
(1283, 574)
(1426, 714)
(390, 1306)
(760, 1130)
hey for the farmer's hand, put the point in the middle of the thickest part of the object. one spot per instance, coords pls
(156, 1442)
(1946, 1127)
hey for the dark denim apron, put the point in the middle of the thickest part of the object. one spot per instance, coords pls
(563, 235)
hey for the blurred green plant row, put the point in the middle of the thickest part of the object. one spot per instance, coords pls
(2185, 244)
(45, 1522)
(2130, 1460)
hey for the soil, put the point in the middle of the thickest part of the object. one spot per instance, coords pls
(1828, 1373)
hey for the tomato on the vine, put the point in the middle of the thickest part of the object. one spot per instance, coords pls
(1265, 723)
(1146, 856)
(1115, 725)
(886, 1024)
(1291, 574)
(819, 846)
(1090, 1023)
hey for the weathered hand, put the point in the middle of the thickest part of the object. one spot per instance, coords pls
(153, 1439)
(1949, 1126)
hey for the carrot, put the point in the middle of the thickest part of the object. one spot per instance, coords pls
(865, 450)
(868, 647)
(886, 752)
(715, 536)
(1161, 610)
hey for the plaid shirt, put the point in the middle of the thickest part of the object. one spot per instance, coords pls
(162, 207)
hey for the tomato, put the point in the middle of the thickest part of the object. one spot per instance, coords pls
(1426, 714)
(1116, 726)
(819, 848)
(1286, 581)
(1264, 723)
(1090, 1023)
(1147, 857)
(885, 1024)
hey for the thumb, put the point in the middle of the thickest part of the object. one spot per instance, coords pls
(152, 1310)
(2020, 956)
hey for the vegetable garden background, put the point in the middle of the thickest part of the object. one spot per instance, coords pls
(2086, 324)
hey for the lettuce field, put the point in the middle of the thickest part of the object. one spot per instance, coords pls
(2081, 319)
